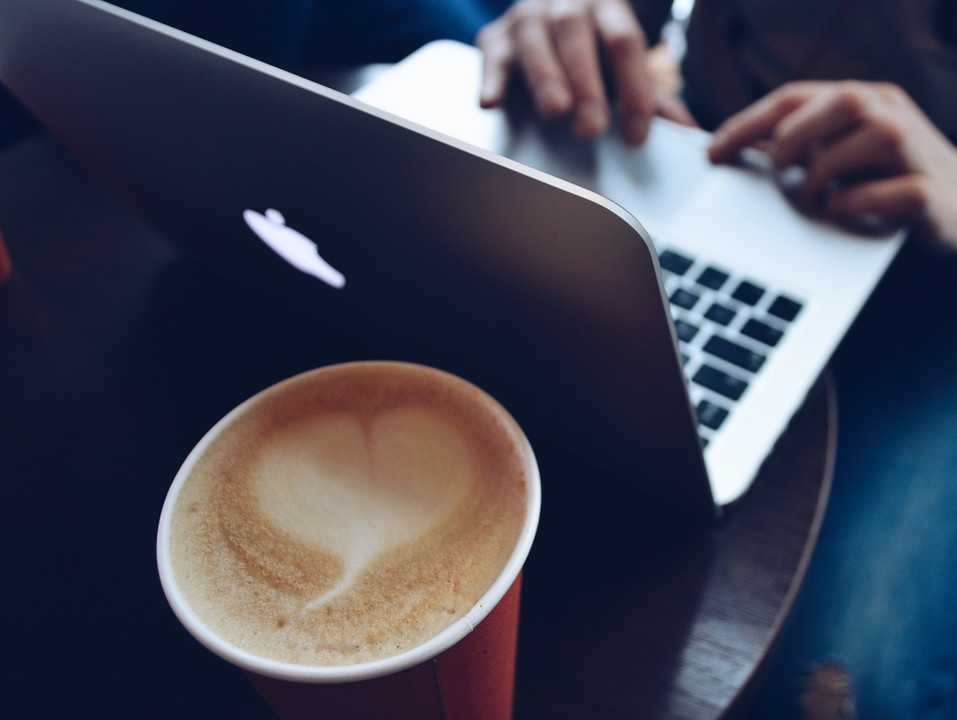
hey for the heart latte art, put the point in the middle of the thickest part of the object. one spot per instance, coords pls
(351, 514)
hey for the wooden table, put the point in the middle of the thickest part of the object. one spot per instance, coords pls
(116, 354)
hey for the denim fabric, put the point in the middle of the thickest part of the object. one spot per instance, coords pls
(879, 595)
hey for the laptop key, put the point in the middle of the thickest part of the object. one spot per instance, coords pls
(684, 298)
(711, 415)
(675, 262)
(733, 353)
(720, 382)
(713, 278)
(686, 331)
(748, 293)
(785, 308)
(762, 332)
(721, 314)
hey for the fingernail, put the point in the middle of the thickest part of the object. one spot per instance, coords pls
(714, 149)
(554, 99)
(591, 119)
(636, 129)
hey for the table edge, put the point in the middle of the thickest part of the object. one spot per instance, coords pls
(830, 392)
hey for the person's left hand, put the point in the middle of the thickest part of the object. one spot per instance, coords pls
(867, 147)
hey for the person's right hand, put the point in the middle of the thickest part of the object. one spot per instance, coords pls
(868, 149)
(556, 44)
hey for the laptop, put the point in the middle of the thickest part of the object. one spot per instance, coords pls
(760, 294)
(437, 232)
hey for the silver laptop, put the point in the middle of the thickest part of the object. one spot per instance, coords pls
(430, 245)
(760, 294)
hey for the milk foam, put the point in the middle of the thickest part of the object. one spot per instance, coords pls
(350, 516)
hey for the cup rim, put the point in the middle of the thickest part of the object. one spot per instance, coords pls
(357, 671)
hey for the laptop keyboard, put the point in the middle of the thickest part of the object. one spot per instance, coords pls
(727, 326)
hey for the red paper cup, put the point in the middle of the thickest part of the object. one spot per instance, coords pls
(475, 678)
(466, 671)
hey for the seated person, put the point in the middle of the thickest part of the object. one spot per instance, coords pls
(861, 95)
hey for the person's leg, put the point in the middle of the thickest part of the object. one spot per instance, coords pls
(878, 598)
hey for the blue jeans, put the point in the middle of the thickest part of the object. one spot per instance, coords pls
(879, 595)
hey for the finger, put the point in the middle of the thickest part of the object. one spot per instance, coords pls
(819, 119)
(900, 198)
(544, 74)
(577, 50)
(624, 41)
(861, 151)
(671, 108)
(497, 58)
(756, 122)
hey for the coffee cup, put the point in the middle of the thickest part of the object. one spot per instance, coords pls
(353, 538)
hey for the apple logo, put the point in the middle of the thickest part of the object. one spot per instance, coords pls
(292, 246)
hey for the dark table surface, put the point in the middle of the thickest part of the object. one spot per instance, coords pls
(116, 354)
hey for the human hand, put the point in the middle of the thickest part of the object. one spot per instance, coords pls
(867, 148)
(556, 44)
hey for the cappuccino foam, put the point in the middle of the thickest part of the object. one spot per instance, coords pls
(350, 516)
